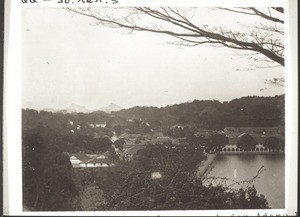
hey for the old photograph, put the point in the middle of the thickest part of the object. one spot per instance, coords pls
(153, 108)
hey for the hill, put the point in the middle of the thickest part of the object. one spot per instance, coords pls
(111, 107)
(250, 111)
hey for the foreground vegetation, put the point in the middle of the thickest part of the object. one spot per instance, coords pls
(157, 179)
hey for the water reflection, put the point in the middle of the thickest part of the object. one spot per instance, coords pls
(243, 167)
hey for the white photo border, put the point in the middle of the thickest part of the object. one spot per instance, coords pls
(13, 94)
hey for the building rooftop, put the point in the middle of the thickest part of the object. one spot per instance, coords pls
(134, 149)
(259, 139)
(100, 160)
(81, 156)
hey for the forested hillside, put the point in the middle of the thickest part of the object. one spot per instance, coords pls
(251, 111)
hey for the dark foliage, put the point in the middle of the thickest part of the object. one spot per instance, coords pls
(246, 142)
(218, 141)
(274, 143)
(47, 170)
(47, 174)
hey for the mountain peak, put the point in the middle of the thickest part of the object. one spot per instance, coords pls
(111, 107)
(77, 108)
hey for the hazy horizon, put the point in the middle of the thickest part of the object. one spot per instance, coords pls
(67, 59)
(122, 107)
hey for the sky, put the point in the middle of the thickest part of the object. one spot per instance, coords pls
(67, 59)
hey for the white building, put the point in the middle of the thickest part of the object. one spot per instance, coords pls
(81, 159)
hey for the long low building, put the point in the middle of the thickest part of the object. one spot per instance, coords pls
(97, 162)
(82, 159)
(233, 148)
(258, 148)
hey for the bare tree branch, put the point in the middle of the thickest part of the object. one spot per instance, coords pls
(262, 39)
(268, 17)
(229, 183)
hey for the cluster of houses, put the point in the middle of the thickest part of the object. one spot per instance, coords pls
(106, 159)
(98, 125)
(82, 159)
(92, 125)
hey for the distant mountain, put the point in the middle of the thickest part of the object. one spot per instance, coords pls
(76, 108)
(111, 108)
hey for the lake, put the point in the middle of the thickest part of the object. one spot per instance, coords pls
(270, 182)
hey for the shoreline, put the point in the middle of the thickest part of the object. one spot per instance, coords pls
(251, 152)
(206, 165)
